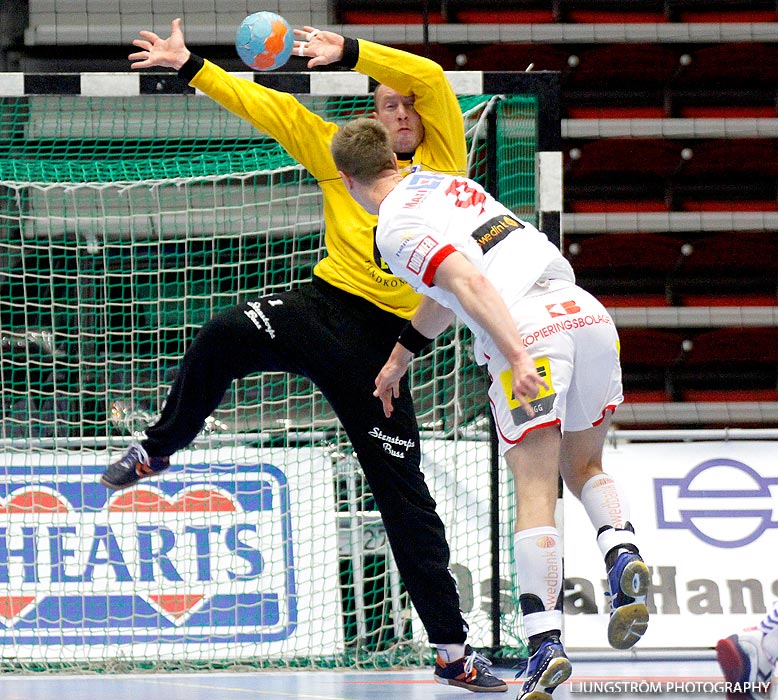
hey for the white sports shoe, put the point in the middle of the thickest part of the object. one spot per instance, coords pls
(743, 662)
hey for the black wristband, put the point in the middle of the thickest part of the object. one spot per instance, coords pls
(412, 340)
(191, 68)
(350, 53)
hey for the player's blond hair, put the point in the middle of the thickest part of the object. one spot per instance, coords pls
(362, 149)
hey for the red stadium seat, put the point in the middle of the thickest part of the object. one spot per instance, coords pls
(729, 175)
(621, 174)
(734, 345)
(624, 157)
(720, 80)
(729, 65)
(739, 251)
(500, 11)
(754, 110)
(388, 17)
(732, 364)
(648, 359)
(722, 10)
(725, 205)
(730, 16)
(606, 17)
(498, 57)
(387, 12)
(734, 156)
(634, 66)
(612, 206)
(612, 11)
(624, 80)
(616, 111)
(627, 265)
(739, 267)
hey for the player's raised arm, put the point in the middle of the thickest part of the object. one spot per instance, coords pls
(156, 51)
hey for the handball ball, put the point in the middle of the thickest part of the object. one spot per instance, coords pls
(264, 41)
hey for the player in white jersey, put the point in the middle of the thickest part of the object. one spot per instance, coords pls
(552, 354)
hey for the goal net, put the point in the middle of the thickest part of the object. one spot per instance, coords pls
(125, 223)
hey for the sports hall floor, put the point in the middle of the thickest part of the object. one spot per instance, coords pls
(593, 677)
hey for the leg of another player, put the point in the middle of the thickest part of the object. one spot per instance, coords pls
(538, 559)
(750, 659)
(608, 509)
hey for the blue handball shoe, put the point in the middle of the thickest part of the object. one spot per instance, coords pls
(546, 669)
(628, 580)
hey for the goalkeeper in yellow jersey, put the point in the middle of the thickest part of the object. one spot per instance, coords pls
(338, 329)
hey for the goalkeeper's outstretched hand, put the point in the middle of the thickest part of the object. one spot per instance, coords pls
(321, 47)
(156, 51)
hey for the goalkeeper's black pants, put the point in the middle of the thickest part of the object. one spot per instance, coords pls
(340, 342)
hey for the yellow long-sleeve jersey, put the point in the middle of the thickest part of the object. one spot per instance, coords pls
(352, 262)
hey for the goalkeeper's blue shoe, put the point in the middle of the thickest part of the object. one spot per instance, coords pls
(546, 669)
(628, 580)
(471, 672)
(134, 465)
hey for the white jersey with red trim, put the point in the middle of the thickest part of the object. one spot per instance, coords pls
(428, 216)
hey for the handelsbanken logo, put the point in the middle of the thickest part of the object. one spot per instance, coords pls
(167, 561)
(723, 502)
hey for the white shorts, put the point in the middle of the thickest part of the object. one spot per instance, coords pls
(575, 346)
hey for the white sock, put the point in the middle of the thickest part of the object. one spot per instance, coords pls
(537, 559)
(542, 622)
(450, 652)
(607, 507)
